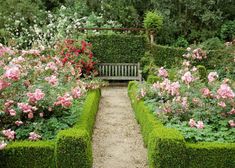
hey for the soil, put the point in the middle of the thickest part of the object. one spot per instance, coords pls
(117, 141)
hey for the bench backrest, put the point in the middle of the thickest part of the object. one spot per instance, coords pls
(119, 71)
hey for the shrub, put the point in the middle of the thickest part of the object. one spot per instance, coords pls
(27, 154)
(181, 42)
(202, 72)
(118, 48)
(227, 31)
(153, 21)
(212, 44)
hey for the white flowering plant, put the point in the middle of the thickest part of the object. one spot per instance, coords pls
(201, 110)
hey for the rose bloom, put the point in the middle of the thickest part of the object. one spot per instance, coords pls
(2, 145)
(162, 72)
(25, 107)
(9, 134)
(187, 77)
(65, 101)
(30, 115)
(13, 73)
(12, 112)
(212, 76)
(36, 96)
(225, 92)
(4, 84)
(232, 111)
(174, 89)
(52, 66)
(231, 123)
(192, 123)
(142, 92)
(222, 104)
(33, 136)
(200, 125)
(76, 93)
(52, 80)
(18, 123)
(206, 92)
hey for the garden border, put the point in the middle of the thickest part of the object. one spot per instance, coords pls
(167, 147)
(71, 148)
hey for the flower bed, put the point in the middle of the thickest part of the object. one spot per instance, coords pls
(48, 96)
(167, 146)
(71, 148)
(187, 112)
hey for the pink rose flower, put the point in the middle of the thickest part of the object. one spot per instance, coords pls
(30, 115)
(174, 89)
(36, 96)
(25, 107)
(206, 92)
(4, 84)
(200, 125)
(12, 112)
(231, 123)
(212, 76)
(232, 111)
(76, 93)
(52, 80)
(225, 92)
(65, 101)
(187, 78)
(192, 123)
(222, 104)
(184, 102)
(33, 136)
(2, 145)
(9, 134)
(162, 72)
(18, 123)
(41, 114)
(142, 92)
(13, 73)
(52, 66)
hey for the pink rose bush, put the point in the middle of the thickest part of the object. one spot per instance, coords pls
(201, 110)
(38, 91)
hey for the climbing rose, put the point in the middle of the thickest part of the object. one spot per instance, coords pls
(225, 92)
(2, 145)
(187, 77)
(212, 76)
(13, 73)
(9, 134)
(33, 136)
(200, 125)
(192, 123)
(162, 72)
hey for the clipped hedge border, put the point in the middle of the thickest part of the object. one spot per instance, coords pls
(118, 48)
(167, 147)
(71, 148)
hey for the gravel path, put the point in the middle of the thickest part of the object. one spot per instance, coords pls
(117, 141)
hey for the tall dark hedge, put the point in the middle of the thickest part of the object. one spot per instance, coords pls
(118, 48)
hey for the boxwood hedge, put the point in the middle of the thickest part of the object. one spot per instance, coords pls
(72, 148)
(167, 147)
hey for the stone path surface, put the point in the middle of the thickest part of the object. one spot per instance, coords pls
(117, 141)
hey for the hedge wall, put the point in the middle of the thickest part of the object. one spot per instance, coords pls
(167, 147)
(118, 48)
(71, 148)
(170, 56)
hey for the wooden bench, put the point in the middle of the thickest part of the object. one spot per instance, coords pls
(119, 71)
